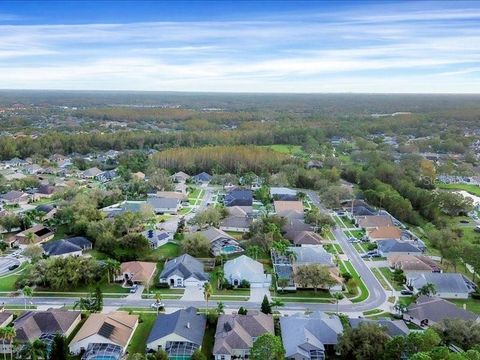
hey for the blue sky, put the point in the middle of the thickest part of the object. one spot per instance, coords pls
(242, 46)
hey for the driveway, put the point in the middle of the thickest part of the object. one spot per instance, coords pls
(193, 293)
(257, 294)
(5, 263)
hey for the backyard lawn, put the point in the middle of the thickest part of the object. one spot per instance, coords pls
(472, 189)
(139, 339)
(473, 305)
(169, 250)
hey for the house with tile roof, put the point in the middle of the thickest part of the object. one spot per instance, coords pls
(370, 222)
(115, 328)
(137, 272)
(235, 334)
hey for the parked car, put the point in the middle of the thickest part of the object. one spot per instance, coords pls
(406, 292)
(464, 221)
(133, 289)
(364, 256)
(12, 267)
(157, 305)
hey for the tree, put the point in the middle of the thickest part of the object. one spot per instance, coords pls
(395, 348)
(211, 216)
(207, 292)
(198, 355)
(59, 348)
(3, 338)
(322, 222)
(98, 300)
(9, 334)
(220, 308)
(283, 283)
(113, 268)
(158, 355)
(27, 293)
(276, 304)
(427, 290)
(137, 356)
(196, 244)
(242, 311)
(267, 347)
(30, 237)
(219, 274)
(420, 342)
(337, 296)
(33, 252)
(314, 275)
(34, 351)
(365, 342)
(253, 251)
(266, 307)
(462, 333)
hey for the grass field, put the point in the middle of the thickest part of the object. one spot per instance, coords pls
(139, 339)
(169, 250)
(363, 289)
(473, 305)
(380, 278)
(472, 189)
(389, 275)
(295, 150)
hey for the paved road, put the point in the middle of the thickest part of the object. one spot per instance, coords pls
(377, 295)
(5, 263)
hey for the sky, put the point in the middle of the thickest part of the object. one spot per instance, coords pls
(242, 46)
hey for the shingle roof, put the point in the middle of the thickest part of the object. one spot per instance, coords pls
(385, 232)
(408, 262)
(163, 203)
(374, 221)
(213, 234)
(237, 331)
(203, 176)
(236, 222)
(185, 323)
(239, 197)
(185, 266)
(444, 282)
(436, 309)
(301, 333)
(394, 245)
(30, 325)
(65, 246)
(13, 195)
(311, 255)
(307, 238)
(94, 171)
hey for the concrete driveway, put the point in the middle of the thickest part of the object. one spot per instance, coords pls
(257, 294)
(193, 293)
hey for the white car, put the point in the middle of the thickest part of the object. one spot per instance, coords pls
(157, 305)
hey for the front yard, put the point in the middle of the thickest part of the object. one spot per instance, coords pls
(139, 340)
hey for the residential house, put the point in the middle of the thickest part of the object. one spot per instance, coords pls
(91, 173)
(74, 246)
(239, 219)
(14, 197)
(43, 191)
(428, 311)
(392, 327)
(284, 208)
(236, 334)
(245, 268)
(202, 178)
(221, 242)
(170, 195)
(14, 163)
(184, 271)
(157, 238)
(239, 197)
(413, 263)
(39, 234)
(307, 238)
(294, 227)
(371, 222)
(179, 333)
(133, 272)
(384, 233)
(115, 328)
(283, 193)
(180, 177)
(397, 247)
(312, 337)
(33, 169)
(181, 188)
(106, 176)
(163, 205)
(447, 285)
(43, 325)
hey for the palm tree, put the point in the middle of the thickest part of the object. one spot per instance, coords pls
(207, 292)
(276, 303)
(113, 268)
(10, 334)
(292, 256)
(220, 308)
(427, 290)
(30, 236)
(27, 292)
(281, 247)
(84, 304)
(337, 296)
(219, 274)
(34, 351)
(400, 308)
(3, 337)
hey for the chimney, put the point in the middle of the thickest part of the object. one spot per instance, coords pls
(188, 325)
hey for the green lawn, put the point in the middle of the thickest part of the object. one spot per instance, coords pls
(208, 340)
(321, 294)
(380, 278)
(338, 248)
(363, 289)
(139, 340)
(348, 223)
(330, 248)
(358, 234)
(473, 305)
(169, 250)
(8, 283)
(472, 189)
(288, 149)
(389, 275)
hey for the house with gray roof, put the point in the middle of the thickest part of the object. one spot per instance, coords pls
(91, 173)
(202, 178)
(164, 205)
(392, 327)
(447, 285)
(283, 193)
(183, 271)
(179, 333)
(427, 311)
(245, 268)
(239, 219)
(74, 246)
(14, 197)
(311, 337)
(221, 242)
(236, 334)
(157, 238)
(239, 197)
(397, 247)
